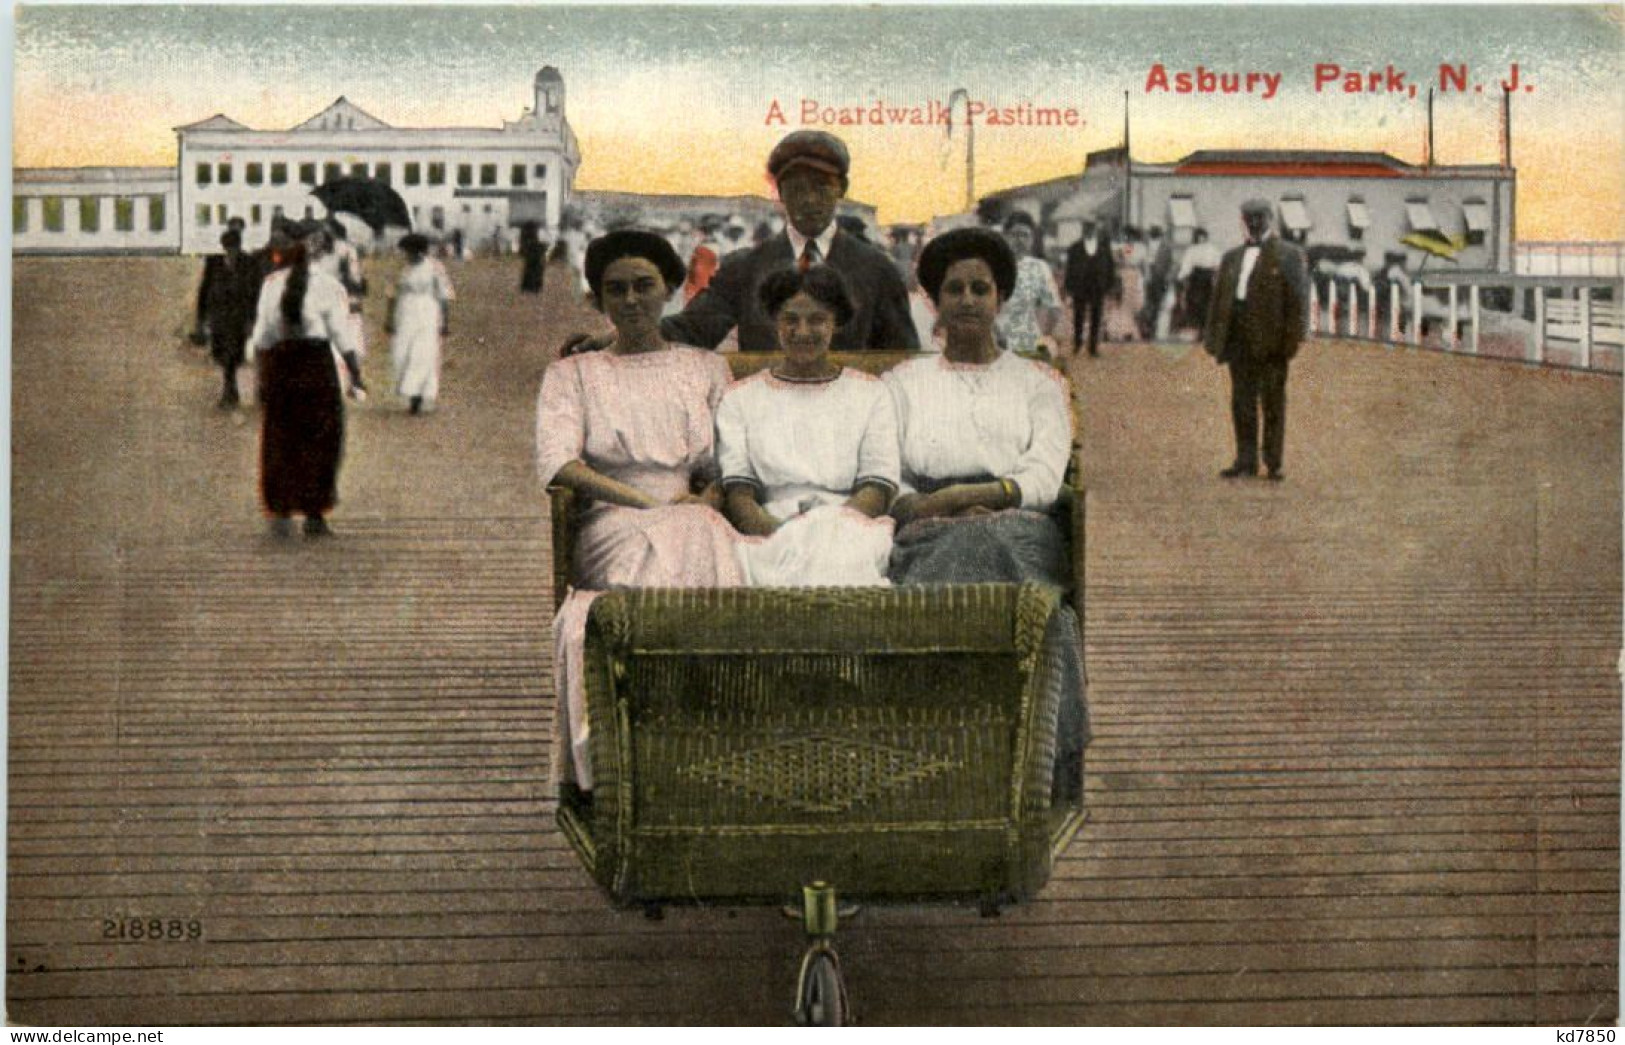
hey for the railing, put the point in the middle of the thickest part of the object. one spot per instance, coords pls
(1575, 329)
(1568, 259)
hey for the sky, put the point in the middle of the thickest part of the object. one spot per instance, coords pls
(683, 99)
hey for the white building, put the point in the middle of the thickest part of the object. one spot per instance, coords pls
(94, 210)
(472, 179)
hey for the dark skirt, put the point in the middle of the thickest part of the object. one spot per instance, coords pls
(1010, 546)
(302, 440)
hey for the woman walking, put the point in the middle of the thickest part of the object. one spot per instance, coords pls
(301, 329)
(419, 319)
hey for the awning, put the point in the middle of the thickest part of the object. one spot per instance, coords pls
(1358, 218)
(1478, 215)
(1421, 216)
(1182, 212)
(1294, 215)
(1094, 203)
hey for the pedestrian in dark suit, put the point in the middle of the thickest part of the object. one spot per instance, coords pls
(1255, 325)
(1090, 272)
(228, 298)
(810, 170)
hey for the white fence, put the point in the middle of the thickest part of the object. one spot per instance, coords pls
(1568, 259)
(1573, 329)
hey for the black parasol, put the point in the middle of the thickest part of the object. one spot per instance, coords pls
(368, 199)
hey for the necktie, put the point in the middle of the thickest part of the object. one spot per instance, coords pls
(809, 256)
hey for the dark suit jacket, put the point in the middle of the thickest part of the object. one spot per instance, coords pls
(1271, 325)
(881, 319)
(1089, 275)
(228, 297)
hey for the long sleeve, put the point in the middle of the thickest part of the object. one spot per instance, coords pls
(714, 311)
(561, 424)
(878, 453)
(899, 402)
(1042, 465)
(267, 318)
(893, 327)
(210, 273)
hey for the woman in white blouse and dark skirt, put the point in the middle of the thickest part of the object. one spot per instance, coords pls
(985, 437)
(301, 331)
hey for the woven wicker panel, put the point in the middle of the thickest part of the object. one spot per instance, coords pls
(898, 741)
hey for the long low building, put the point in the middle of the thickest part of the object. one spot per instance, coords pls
(1364, 203)
(474, 180)
(95, 210)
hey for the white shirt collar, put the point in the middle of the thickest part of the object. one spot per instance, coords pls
(798, 242)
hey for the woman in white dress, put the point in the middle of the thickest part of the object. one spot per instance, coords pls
(302, 333)
(418, 320)
(631, 430)
(808, 449)
(985, 437)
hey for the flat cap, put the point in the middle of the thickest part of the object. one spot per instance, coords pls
(1258, 206)
(817, 149)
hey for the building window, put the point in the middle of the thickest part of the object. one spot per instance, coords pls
(358, 170)
(541, 172)
(254, 216)
(254, 174)
(487, 208)
(437, 174)
(19, 214)
(124, 214)
(1420, 216)
(488, 174)
(1295, 223)
(279, 174)
(437, 217)
(518, 174)
(203, 213)
(465, 174)
(90, 214)
(1477, 214)
(155, 214)
(414, 173)
(1182, 212)
(53, 214)
(1359, 219)
(381, 172)
(276, 212)
(223, 174)
(332, 172)
(205, 174)
(468, 208)
(221, 214)
(307, 174)
(310, 212)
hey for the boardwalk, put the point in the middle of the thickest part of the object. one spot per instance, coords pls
(1357, 754)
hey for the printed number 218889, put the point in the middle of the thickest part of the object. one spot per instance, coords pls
(151, 929)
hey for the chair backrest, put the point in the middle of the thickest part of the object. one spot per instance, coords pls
(892, 741)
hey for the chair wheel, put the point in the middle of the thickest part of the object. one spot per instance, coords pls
(821, 994)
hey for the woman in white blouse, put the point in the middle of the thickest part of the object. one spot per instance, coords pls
(985, 435)
(302, 328)
(985, 438)
(808, 449)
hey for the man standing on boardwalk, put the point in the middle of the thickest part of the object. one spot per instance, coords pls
(810, 170)
(1255, 325)
(1090, 272)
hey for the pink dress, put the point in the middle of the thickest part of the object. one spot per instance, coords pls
(648, 421)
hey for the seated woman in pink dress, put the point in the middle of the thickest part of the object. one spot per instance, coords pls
(630, 430)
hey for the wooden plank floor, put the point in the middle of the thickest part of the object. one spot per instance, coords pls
(1357, 751)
